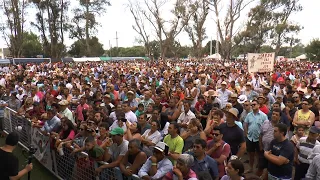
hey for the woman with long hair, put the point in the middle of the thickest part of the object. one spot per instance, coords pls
(235, 170)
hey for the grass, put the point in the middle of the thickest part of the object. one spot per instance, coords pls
(38, 173)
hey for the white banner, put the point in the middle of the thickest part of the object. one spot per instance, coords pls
(261, 62)
(42, 143)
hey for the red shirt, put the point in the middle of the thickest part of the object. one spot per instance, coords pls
(264, 109)
(223, 149)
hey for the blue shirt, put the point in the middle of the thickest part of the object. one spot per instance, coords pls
(164, 166)
(52, 125)
(255, 122)
(207, 164)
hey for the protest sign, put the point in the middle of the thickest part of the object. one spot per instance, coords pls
(261, 62)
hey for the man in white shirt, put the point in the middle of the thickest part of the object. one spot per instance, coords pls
(129, 115)
(224, 94)
(186, 116)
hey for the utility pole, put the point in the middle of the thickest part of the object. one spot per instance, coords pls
(117, 39)
(110, 49)
(211, 47)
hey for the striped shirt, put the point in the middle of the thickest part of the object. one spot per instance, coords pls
(314, 169)
(305, 148)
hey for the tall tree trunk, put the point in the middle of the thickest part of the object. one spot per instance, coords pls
(87, 29)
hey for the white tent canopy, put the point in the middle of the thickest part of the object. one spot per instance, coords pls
(302, 56)
(214, 56)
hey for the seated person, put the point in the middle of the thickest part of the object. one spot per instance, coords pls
(174, 141)
(116, 151)
(183, 170)
(151, 137)
(133, 131)
(134, 159)
(94, 151)
(157, 165)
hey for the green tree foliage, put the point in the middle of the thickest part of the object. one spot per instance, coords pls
(195, 28)
(51, 21)
(139, 51)
(84, 22)
(78, 48)
(269, 21)
(31, 46)
(13, 16)
(313, 50)
(135, 51)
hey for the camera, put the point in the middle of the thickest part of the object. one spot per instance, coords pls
(32, 150)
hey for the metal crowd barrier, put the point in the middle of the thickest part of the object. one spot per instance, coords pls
(67, 166)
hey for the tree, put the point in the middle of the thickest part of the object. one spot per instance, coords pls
(135, 51)
(84, 21)
(313, 50)
(165, 30)
(195, 28)
(269, 22)
(226, 27)
(51, 22)
(31, 46)
(140, 26)
(78, 48)
(13, 29)
(257, 31)
(284, 29)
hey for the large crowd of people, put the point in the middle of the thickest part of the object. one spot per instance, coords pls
(176, 119)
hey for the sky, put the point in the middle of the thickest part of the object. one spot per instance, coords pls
(118, 19)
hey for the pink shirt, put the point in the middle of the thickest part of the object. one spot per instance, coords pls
(191, 176)
(70, 136)
(79, 110)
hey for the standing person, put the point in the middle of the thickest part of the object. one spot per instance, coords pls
(219, 150)
(233, 134)
(246, 110)
(252, 124)
(304, 147)
(265, 138)
(304, 117)
(280, 156)
(290, 110)
(9, 166)
(224, 94)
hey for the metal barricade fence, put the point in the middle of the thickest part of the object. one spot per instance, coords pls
(13, 122)
(67, 166)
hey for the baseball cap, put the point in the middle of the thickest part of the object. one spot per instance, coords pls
(117, 131)
(314, 130)
(12, 139)
(161, 146)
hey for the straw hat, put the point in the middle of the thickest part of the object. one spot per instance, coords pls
(233, 111)
(210, 93)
